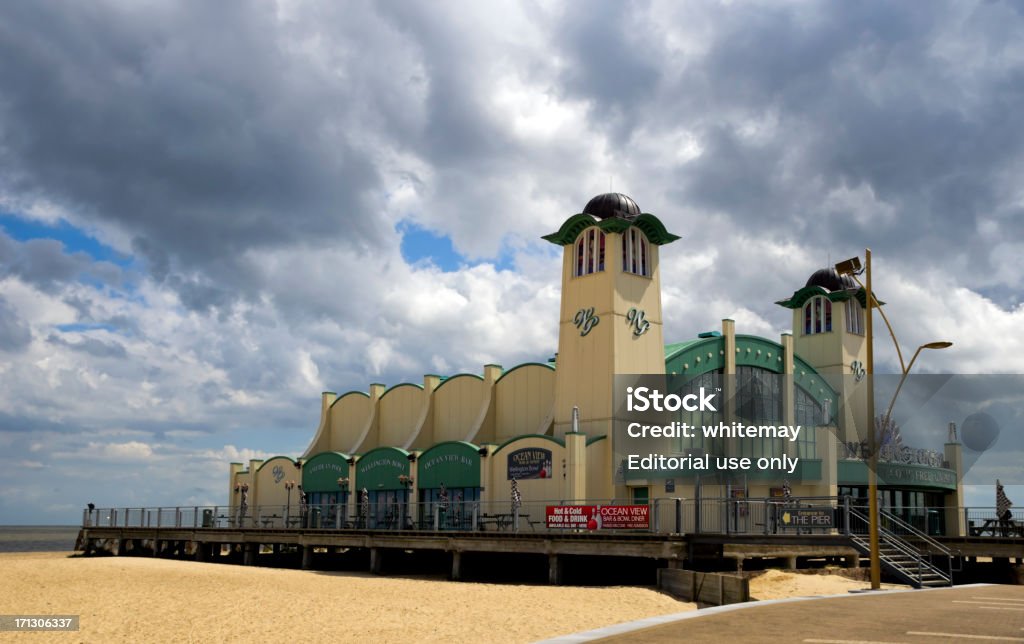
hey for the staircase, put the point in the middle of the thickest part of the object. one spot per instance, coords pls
(904, 551)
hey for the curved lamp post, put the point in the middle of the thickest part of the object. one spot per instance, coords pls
(852, 267)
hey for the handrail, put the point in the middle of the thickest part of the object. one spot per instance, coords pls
(917, 533)
(906, 547)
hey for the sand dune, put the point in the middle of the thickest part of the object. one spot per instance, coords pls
(136, 599)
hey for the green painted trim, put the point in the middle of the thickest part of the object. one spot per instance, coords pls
(654, 229)
(403, 452)
(349, 393)
(274, 458)
(811, 381)
(378, 480)
(591, 441)
(691, 351)
(310, 478)
(401, 384)
(750, 358)
(800, 297)
(671, 350)
(525, 364)
(556, 441)
(458, 375)
(650, 225)
(436, 445)
(855, 472)
(453, 476)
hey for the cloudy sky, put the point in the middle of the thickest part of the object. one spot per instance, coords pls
(212, 212)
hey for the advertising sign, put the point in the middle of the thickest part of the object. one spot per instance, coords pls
(529, 463)
(599, 517)
(806, 517)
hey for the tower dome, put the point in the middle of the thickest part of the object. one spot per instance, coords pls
(612, 204)
(828, 278)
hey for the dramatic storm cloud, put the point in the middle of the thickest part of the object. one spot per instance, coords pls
(211, 212)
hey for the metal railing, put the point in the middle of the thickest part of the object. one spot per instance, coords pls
(591, 516)
(734, 515)
(901, 556)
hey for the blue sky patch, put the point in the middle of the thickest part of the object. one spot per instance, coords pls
(419, 244)
(78, 327)
(74, 239)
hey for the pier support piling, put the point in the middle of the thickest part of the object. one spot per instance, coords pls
(375, 560)
(456, 565)
(307, 557)
(554, 570)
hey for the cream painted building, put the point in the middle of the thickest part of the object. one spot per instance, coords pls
(413, 447)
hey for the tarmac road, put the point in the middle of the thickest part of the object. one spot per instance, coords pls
(976, 613)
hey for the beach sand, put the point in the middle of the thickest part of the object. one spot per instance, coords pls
(137, 599)
(781, 584)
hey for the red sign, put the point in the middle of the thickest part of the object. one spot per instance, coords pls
(625, 517)
(598, 517)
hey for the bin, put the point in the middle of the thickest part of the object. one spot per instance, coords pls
(314, 518)
(207, 518)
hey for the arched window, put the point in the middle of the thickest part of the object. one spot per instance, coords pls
(589, 252)
(636, 257)
(854, 317)
(817, 315)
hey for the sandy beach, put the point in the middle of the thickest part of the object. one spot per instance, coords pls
(136, 599)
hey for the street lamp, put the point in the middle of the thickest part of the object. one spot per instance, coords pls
(288, 485)
(852, 267)
(906, 371)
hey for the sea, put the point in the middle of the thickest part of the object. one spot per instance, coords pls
(38, 538)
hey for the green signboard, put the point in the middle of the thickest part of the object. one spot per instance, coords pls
(454, 463)
(380, 468)
(855, 472)
(321, 472)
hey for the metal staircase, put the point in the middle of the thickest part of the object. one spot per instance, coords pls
(906, 552)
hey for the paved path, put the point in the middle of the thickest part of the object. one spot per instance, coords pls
(976, 613)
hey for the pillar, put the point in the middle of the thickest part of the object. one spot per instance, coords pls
(456, 565)
(554, 570)
(956, 522)
(852, 561)
(249, 554)
(201, 554)
(576, 467)
(791, 562)
(307, 557)
(375, 560)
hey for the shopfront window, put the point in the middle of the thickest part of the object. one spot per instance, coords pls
(453, 508)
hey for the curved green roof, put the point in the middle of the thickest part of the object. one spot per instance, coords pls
(648, 223)
(349, 393)
(401, 384)
(556, 441)
(458, 375)
(800, 297)
(697, 357)
(546, 365)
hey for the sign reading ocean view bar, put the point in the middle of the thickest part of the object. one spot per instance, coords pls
(596, 517)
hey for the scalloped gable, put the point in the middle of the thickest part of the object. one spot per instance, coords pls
(648, 223)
